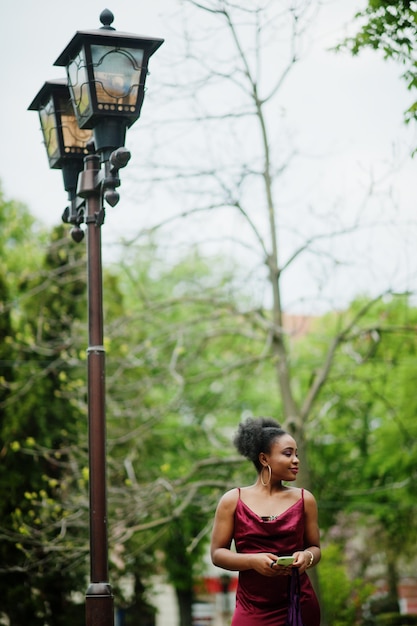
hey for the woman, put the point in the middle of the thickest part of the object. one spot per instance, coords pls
(267, 520)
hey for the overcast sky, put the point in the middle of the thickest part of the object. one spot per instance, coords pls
(353, 112)
(361, 112)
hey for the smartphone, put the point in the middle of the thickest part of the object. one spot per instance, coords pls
(285, 560)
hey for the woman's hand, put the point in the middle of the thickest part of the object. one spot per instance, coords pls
(265, 564)
(302, 560)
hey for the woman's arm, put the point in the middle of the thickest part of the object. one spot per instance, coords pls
(311, 554)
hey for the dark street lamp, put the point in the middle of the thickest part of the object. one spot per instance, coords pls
(106, 72)
(65, 143)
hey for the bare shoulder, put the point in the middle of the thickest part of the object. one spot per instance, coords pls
(229, 500)
(310, 503)
(298, 492)
(295, 493)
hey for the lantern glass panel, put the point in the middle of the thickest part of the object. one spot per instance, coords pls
(75, 139)
(79, 85)
(117, 73)
(49, 130)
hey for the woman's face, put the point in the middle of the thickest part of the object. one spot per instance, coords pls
(283, 458)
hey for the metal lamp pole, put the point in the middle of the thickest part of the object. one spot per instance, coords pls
(99, 597)
(94, 186)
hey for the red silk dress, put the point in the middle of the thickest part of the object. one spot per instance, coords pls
(260, 600)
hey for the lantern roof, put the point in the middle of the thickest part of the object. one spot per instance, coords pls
(46, 91)
(107, 32)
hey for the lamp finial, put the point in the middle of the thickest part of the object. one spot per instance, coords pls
(106, 18)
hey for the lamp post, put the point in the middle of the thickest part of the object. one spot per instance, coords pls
(84, 125)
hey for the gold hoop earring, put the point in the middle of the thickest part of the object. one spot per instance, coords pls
(269, 477)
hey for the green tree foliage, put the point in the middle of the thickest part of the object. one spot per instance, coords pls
(342, 597)
(365, 454)
(17, 250)
(180, 561)
(390, 26)
(39, 425)
(21, 241)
